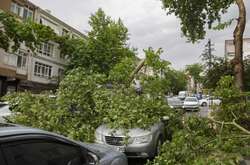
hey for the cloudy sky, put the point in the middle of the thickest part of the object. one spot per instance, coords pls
(148, 25)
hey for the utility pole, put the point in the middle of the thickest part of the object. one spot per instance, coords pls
(207, 54)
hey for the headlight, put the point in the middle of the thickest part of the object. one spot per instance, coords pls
(142, 139)
(98, 137)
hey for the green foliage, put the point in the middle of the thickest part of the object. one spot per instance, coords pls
(219, 68)
(156, 82)
(69, 46)
(196, 14)
(235, 105)
(83, 103)
(224, 25)
(120, 73)
(124, 109)
(195, 70)
(72, 113)
(104, 46)
(154, 61)
(198, 142)
(222, 139)
(28, 32)
(177, 80)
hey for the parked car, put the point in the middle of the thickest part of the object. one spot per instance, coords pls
(4, 111)
(191, 103)
(175, 103)
(141, 144)
(182, 95)
(28, 146)
(209, 101)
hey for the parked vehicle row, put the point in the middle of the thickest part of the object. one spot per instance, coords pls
(182, 101)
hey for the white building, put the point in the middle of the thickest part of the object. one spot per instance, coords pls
(36, 71)
(230, 49)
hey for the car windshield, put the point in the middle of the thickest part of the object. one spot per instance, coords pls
(191, 99)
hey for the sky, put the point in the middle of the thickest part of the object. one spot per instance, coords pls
(148, 26)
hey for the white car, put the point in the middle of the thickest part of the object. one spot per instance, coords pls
(209, 101)
(191, 103)
(4, 111)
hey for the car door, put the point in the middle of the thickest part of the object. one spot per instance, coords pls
(42, 152)
(2, 162)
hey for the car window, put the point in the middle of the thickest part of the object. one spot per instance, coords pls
(191, 99)
(43, 153)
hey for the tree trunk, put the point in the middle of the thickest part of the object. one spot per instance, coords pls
(136, 70)
(238, 42)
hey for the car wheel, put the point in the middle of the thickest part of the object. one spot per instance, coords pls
(158, 146)
(204, 104)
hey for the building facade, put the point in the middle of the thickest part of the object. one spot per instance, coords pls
(35, 71)
(230, 49)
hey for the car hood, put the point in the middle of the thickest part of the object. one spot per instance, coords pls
(135, 132)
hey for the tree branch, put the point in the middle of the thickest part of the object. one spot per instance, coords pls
(136, 70)
(233, 123)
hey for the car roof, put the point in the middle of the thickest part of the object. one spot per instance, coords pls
(12, 129)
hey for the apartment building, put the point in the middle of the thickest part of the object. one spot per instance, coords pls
(230, 49)
(35, 71)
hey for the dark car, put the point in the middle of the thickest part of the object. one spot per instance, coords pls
(28, 146)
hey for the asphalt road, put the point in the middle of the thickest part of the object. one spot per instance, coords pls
(203, 112)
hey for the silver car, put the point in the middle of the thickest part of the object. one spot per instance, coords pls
(174, 103)
(140, 144)
(191, 103)
(29, 146)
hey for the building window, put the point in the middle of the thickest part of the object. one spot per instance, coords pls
(42, 70)
(74, 36)
(21, 11)
(21, 59)
(65, 32)
(27, 14)
(49, 23)
(46, 49)
(16, 9)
